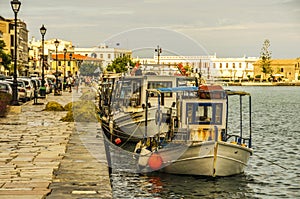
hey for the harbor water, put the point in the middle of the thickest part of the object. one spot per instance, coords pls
(273, 170)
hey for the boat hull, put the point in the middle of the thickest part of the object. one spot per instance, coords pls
(205, 159)
(133, 124)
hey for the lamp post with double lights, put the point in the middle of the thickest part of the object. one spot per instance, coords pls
(43, 89)
(64, 84)
(56, 43)
(15, 5)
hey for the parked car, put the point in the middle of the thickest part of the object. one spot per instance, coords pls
(11, 86)
(21, 89)
(29, 88)
(50, 85)
(5, 87)
(36, 84)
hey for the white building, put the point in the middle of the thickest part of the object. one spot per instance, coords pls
(198, 64)
(103, 52)
(210, 67)
(233, 69)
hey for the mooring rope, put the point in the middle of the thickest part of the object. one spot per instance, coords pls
(272, 162)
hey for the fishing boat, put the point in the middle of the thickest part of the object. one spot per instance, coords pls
(122, 104)
(203, 137)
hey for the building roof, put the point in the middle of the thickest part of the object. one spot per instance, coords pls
(74, 57)
(281, 62)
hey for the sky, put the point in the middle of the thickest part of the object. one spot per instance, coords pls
(227, 28)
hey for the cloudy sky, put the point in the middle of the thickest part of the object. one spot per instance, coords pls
(229, 28)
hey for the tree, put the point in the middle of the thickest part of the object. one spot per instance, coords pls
(6, 58)
(120, 64)
(89, 68)
(265, 58)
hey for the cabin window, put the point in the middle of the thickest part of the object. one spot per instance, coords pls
(204, 113)
(154, 85)
(128, 93)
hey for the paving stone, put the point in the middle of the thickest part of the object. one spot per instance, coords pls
(24, 192)
(26, 184)
(21, 197)
(39, 153)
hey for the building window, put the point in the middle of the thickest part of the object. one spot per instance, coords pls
(59, 63)
(220, 65)
(281, 70)
(226, 65)
(94, 55)
(101, 56)
(108, 56)
(233, 65)
(240, 65)
(214, 65)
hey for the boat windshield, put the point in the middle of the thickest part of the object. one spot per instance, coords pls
(204, 113)
(128, 93)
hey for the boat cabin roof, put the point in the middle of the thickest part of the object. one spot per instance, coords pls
(241, 93)
(178, 89)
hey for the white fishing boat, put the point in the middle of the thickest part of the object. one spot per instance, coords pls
(122, 104)
(199, 140)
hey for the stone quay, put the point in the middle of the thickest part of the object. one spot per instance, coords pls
(43, 157)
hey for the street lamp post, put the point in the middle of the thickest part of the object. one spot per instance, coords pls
(15, 5)
(43, 89)
(56, 42)
(159, 51)
(71, 57)
(64, 85)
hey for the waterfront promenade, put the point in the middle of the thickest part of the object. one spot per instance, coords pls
(42, 157)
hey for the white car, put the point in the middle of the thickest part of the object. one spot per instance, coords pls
(21, 89)
(5, 87)
(10, 84)
(29, 88)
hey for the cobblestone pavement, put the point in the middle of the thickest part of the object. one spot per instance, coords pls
(42, 157)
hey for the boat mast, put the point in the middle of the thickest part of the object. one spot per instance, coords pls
(241, 120)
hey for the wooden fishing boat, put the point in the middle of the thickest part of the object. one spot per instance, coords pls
(199, 140)
(122, 104)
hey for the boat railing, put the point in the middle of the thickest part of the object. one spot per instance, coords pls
(243, 138)
(239, 140)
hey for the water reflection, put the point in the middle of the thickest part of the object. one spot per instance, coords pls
(162, 185)
(273, 171)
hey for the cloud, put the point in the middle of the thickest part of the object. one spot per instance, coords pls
(115, 11)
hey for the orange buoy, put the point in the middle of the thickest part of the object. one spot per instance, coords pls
(155, 161)
(118, 141)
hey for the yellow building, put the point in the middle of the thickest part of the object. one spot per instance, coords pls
(7, 35)
(69, 64)
(282, 69)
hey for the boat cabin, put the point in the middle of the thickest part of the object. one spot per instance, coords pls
(200, 112)
(130, 91)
